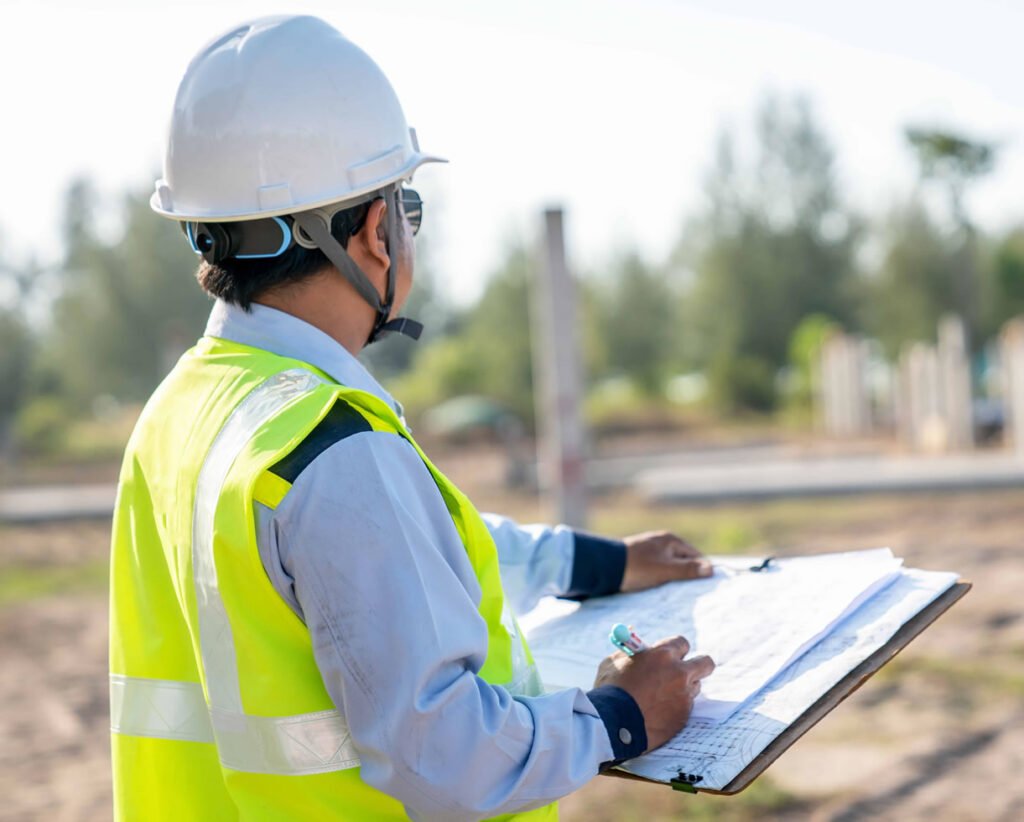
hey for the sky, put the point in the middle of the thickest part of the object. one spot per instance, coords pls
(608, 109)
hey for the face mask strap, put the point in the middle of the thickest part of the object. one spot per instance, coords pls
(317, 228)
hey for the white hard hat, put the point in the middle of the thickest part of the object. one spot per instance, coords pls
(277, 116)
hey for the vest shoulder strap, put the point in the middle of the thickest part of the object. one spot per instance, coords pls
(340, 423)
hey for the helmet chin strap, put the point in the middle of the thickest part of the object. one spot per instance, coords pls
(317, 229)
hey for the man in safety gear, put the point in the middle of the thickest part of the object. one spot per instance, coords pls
(309, 620)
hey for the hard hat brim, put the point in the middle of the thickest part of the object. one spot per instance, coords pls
(199, 215)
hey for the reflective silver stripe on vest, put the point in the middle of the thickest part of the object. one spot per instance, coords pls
(215, 639)
(301, 744)
(525, 676)
(290, 745)
(159, 708)
(165, 709)
(526, 682)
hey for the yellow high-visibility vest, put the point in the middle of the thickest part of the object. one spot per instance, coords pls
(218, 710)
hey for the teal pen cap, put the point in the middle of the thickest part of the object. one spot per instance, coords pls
(621, 634)
(620, 644)
(625, 639)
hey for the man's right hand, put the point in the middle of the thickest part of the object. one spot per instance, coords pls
(661, 682)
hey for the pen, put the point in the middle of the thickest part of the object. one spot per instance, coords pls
(627, 640)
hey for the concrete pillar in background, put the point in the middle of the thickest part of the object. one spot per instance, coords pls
(861, 421)
(925, 423)
(903, 401)
(561, 440)
(846, 405)
(1011, 357)
(955, 383)
(832, 385)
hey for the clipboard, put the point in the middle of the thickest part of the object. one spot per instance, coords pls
(826, 703)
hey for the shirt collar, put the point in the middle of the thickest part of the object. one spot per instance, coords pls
(288, 336)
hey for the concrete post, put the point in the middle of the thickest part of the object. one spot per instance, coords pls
(557, 379)
(955, 383)
(846, 408)
(923, 423)
(1011, 355)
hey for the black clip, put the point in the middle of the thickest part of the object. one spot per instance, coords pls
(764, 566)
(685, 782)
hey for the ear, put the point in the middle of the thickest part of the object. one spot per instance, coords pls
(371, 237)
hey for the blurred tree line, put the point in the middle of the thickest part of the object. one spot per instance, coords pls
(772, 260)
(118, 314)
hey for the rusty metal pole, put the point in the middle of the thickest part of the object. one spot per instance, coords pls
(561, 432)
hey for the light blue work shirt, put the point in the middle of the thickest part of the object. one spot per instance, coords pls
(362, 508)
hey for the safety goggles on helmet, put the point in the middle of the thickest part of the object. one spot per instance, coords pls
(412, 207)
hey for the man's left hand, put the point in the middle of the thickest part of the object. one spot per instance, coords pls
(656, 557)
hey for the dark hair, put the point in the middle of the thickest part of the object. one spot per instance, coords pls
(240, 282)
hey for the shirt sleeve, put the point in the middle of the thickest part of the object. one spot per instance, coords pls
(371, 560)
(538, 561)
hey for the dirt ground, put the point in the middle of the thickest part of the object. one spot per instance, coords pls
(938, 735)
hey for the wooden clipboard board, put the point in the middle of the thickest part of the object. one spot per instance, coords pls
(840, 691)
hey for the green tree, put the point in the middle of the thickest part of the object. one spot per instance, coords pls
(915, 283)
(17, 344)
(955, 162)
(127, 307)
(774, 243)
(488, 349)
(16, 351)
(1008, 280)
(805, 349)
(636, 311)
(497, 332)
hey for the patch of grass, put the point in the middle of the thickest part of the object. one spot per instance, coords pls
(758, 526)
(712, 535)
(961, 675)
(50, 434)
(98, 440)
(731, 529)
(20, 583)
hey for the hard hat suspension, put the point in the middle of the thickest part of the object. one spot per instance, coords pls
(249, 240)
(314, 227)
(400, 325)
(273, 236)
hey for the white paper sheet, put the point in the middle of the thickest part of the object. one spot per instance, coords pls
(752, 624)
(719, 751)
